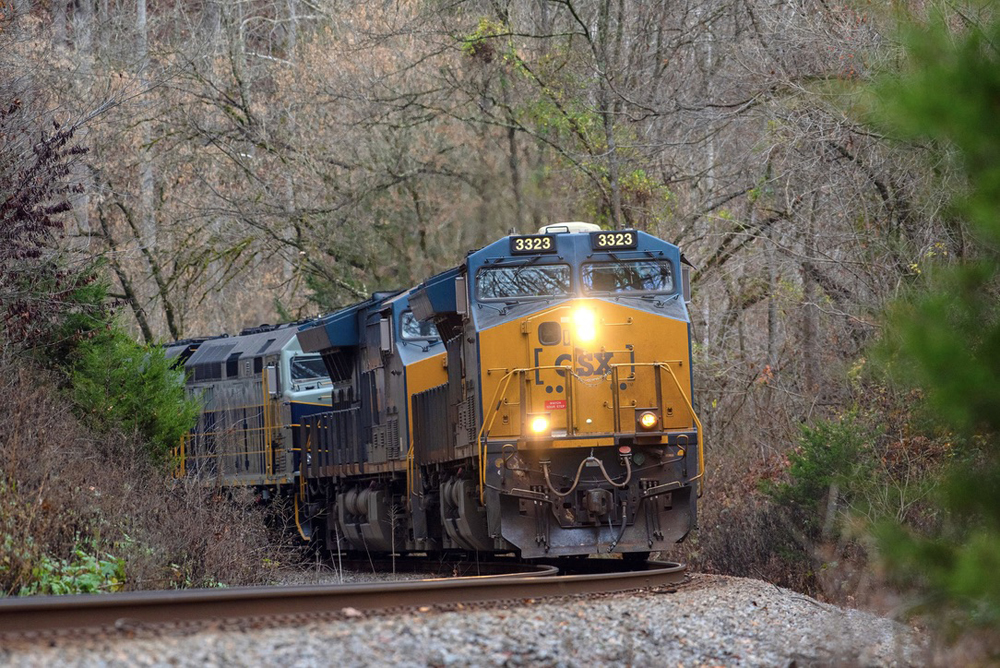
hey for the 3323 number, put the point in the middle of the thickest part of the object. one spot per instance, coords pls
(531, 244)
(615, 240)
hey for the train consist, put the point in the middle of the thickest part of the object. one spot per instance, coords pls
(534, 399)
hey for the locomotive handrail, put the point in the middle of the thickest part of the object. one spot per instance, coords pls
(701, 432)
(690, 407)
(180, 456)
(267, 433)
(264, 415)
(216, 455)
(494, 411)
(484, 431)
(410, 460)
(302, 489)
(228, 431)
(504, 383)
(228, 411)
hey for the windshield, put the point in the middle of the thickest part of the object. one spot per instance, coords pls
(415, 330)
(307, 367)
(629, 276)
(546, 280)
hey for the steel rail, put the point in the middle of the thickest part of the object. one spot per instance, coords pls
(127, 610)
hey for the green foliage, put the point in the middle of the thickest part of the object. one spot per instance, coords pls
(182, 578)
(116, 383)
(644, 189)
(827, 459)
(481, 44)
(948, 94)
(946, 338)
(119, 384)
(847, 469)
(83, 573)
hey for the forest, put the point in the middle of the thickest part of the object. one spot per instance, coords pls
(831, 170)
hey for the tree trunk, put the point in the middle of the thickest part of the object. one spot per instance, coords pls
(83, 26)
(59, 22)
(772, 300)
(513, 161)
(810, 309)
(292, 31)
(147, 182)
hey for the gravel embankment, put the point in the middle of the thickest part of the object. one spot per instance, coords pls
(713, 621)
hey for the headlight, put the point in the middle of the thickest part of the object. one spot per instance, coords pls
(539, 424)
(584, 323)
(648, 420)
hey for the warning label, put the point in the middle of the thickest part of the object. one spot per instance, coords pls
(555, 404)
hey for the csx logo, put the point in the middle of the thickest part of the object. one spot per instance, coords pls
(583, 363)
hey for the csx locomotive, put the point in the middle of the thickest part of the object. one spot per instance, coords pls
(534, 399)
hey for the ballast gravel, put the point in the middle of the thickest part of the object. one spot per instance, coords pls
(713, 621)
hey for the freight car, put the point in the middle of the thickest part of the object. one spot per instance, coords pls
(534, 399)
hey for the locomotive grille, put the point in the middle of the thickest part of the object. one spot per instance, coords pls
(430, 428)
(467, 422)
(392, 439)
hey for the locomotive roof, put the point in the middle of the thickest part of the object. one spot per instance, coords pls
(261, 343)
(340, 328)
(173, 350)
(435, 295)
(572, 244)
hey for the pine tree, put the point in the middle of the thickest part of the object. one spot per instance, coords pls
(945, 338)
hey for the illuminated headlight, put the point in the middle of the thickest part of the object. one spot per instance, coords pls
(584, 322)
(539, 424)
(648, 420)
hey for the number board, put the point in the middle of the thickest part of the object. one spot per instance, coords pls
(614, 240)
(535, 243)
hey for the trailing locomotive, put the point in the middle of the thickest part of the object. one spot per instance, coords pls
(252, 387)
(536, 398)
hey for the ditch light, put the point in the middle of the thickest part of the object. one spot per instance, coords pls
(647, 419)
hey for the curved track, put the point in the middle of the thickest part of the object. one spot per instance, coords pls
(46, 614)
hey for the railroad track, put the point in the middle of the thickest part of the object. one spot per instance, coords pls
(44, 615)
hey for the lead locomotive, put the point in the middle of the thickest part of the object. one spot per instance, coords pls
(536, 398)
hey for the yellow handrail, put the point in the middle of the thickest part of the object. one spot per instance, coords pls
(298, 525)
(267, 423)
(494, 410)
(409, 473)
(233, 430)
(180, 454)
(233, 453)
(701, 433)
(501, 390)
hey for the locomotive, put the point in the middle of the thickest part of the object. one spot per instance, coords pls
(536, 399)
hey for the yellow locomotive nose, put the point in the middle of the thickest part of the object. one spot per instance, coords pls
(585, 323)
